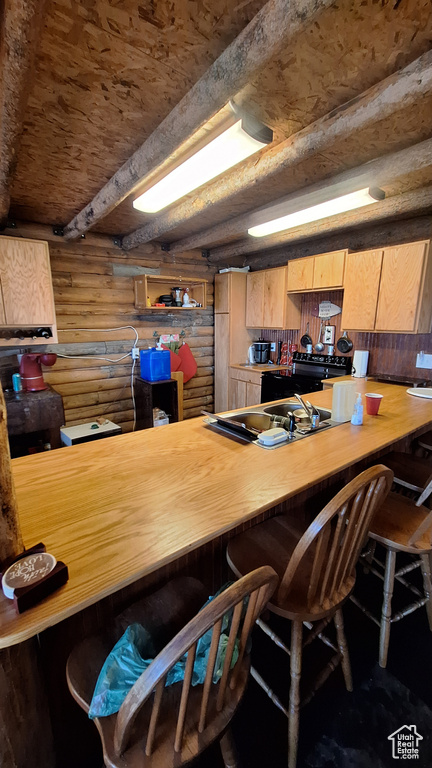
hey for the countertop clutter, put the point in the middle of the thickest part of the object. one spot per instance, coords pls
(114, 516)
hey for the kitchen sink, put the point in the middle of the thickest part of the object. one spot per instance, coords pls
(284, 409)
(259, 418)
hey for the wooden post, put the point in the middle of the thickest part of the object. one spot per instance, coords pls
(25, 729)
(11, 542)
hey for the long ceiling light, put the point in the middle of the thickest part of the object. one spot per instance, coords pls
(321, 211)
(235, 144)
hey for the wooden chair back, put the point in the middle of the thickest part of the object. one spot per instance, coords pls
(243, 601)
(322, 566)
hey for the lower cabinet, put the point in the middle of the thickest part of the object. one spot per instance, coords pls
(244, 388)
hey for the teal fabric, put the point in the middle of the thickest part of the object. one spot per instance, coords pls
(134, 652)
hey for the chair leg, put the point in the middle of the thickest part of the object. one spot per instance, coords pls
(386, 607)
(228, 750)
(427, 586)
(343, 648)
(294, 697)
(367, 560)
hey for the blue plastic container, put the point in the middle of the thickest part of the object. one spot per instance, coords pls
(155, 364)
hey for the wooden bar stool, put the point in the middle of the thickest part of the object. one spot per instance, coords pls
(400, 525)
(161, 726)
(410, 472)
(316, 570)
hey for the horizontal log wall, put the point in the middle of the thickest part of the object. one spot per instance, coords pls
(91, 292)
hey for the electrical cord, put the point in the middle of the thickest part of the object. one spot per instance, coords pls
(109, 359)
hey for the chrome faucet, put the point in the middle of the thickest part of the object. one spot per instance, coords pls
(310, 410)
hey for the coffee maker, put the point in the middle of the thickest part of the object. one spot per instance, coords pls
(259, 352)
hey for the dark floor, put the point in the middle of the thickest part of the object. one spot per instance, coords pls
(337, 729)
(340, 729)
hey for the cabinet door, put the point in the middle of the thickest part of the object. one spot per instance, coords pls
(253, 394)
(255, 299)
(400, 288)
(237, 394)
(300, 274)
(329, 270)
(275, 298)
(26, 282)
(361, 285)
(221, 295)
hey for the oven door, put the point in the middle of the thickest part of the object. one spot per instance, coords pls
(279, 386)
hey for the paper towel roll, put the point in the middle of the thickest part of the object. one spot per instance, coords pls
(360, 363)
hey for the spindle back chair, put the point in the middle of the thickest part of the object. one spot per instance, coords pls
(161, 726)
(316, 569)
(401, 525)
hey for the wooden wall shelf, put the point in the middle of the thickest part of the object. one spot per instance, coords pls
(153, 286)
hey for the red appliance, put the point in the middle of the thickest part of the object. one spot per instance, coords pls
(31, 371)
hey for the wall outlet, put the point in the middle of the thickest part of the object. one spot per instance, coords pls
(272, 346)
(135, 353)
(423, 360)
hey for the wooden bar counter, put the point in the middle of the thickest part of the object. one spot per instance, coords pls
(118, 510)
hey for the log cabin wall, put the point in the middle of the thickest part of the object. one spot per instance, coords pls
(93, 288)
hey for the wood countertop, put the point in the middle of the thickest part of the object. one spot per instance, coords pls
(115, 510)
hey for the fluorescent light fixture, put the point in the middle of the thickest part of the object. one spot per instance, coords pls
(321, 211)
(235, 144)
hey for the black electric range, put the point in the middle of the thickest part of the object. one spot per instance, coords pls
(306, 375)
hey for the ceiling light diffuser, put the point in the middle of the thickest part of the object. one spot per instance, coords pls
(321, 211)
(238, 142)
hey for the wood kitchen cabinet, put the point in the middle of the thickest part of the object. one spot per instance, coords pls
(267, 302)
(317, 273)
(389, 290)
(232, 338)
(26, 293)
(244, 388)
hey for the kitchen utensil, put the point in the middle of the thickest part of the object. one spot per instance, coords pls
(344, 343)
(306, 338)
(261, 351)
(319, 346)
(233, 426)
(279, 353)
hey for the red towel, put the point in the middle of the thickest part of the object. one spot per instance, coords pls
(175, 360)
(188, 363)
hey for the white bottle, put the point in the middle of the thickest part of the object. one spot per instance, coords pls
(357, 417)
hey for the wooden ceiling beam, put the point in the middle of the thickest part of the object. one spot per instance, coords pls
(380, 172)
(416, 201)
(21, 24)
(268, 32)
(400, 90)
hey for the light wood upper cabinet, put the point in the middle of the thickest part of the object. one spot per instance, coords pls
(267, 303)
(389, 290)
(329, 270)
(317, 273)
(362, 279)
(300, 274)
(404, 301)
(27, 299)
(255, 299)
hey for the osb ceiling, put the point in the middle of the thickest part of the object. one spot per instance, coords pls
(107, 72)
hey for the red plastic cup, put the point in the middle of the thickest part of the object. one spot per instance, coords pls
(373, 402)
